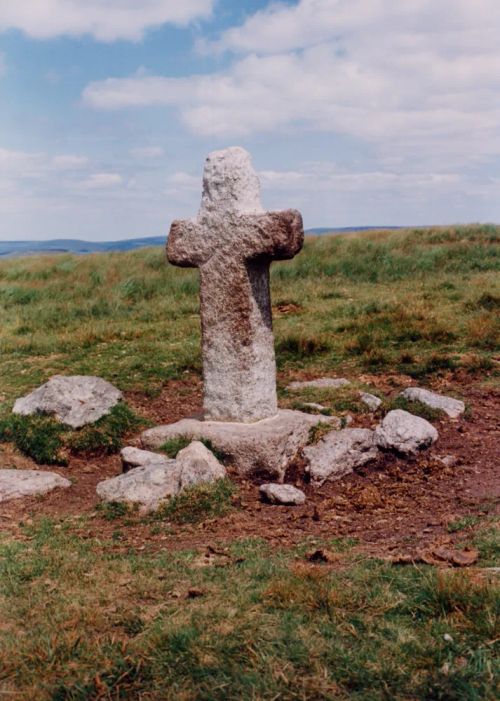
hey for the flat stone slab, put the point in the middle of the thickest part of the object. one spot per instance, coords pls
(263, 448)
(453, 407)
(74, 400)
(285, 494)
(15, 484)
(405, 433)
(320, 383)
(339, 452)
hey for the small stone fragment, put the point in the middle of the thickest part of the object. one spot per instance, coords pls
(75, 401)
(198, 464)
(320, 383)
(371, 401)
(453, 407)
(15, 484)
(314, 406)
(285, 494)
(405, 433)
(339, 453)
(135, 457)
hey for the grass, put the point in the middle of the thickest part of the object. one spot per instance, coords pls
(252, 624)
(379, 301)
(49, 442)
(199, 503)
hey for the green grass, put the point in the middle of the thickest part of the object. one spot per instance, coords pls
(422, 302)
(199, 503)
(49, 442)
(253, 624)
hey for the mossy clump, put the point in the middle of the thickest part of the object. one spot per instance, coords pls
(199, 502)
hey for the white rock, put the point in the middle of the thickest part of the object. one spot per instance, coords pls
(339, 453)
(453, 407)
(198, 464)
(262, 448)
(146, 486)
(404, 432)
(314, 406)
(371, 401)
(135, 457)
(76, 400)
(15, 484)
(320, 383)
(282, 494)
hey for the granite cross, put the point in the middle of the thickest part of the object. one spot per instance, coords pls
(233, 242)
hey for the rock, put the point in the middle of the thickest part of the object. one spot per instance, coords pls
(405, 433)
(282, 494)
(453, 407)
(447, 460)
(262, 448)
(198, 464)
(147, 486)
(321, 383)
(135, 457)
(314, 406)
(15, 484)
(76, 400)
(371, 401)
(339, 453)
(233, 242)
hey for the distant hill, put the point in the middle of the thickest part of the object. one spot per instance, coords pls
(27, 248)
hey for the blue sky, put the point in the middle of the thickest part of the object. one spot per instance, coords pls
(357, 112)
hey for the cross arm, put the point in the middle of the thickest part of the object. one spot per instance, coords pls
(281, 234)
(184, 244)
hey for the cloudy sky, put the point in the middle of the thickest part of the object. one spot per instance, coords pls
(358, 112)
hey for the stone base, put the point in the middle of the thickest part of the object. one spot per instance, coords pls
(264, 448)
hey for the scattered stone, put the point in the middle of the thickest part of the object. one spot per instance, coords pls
(447, 460)
(15, 484)
(314, 406)
(404, 432)
(339, 453)
(453, 407)
(146, 486)
(135, 457)
(371, 401)
(282, 494)
(233, 242)
(320, 383)
(198, 464)
(75, 400)
(262, 448)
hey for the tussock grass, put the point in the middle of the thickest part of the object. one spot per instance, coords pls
(414, 301)
(261, 624)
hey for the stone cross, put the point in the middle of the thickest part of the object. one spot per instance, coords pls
(233, 242)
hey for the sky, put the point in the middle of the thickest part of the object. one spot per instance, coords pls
(356, 112)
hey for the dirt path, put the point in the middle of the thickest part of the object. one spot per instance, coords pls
(394, 505)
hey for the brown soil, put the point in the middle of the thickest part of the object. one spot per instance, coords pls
(393, 506)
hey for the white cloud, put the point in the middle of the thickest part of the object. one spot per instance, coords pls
(101, 181)
(147, 152)
(105, 20)
(416, 79)
(70, 162)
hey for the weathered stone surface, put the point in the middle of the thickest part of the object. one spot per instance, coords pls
(320, 383)
(135, 457)
(261, 448)
(15, 484)
(452, 407)
(404, 432)
(233, 241)
(147, 486)
(285, 494)
(314, 406)
(371, 401)
(76, 400)
(339, 453)
(198, 464)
